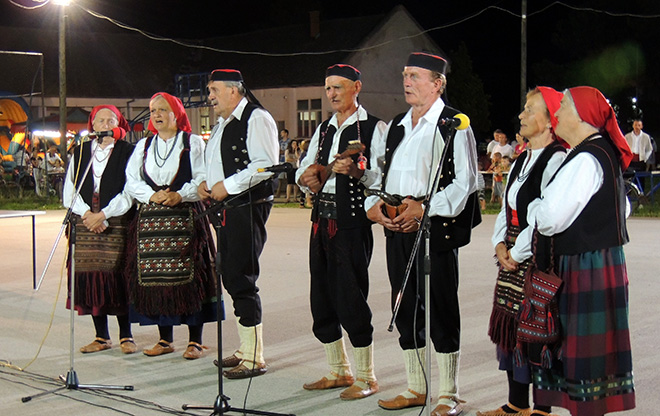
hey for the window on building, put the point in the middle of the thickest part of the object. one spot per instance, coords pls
(309, 117)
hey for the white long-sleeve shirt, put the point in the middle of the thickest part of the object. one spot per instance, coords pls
(262, 146)
(370, 175)
(563, 200)
(117, 206)
(640, 145)
(522, 249)
(163, 175)
(415, 160)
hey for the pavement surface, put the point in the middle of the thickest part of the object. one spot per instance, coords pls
(36, 335)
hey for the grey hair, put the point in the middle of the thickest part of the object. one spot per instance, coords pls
(439, 75)
(239, 86)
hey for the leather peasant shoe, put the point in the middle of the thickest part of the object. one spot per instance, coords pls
(229, 362)
(325, 383)
(194, 351)
(243, 371)
(99, 344)
(445, 410)
(127, 345)
(161, 347)
(501, 411)
(402, 402)
(359, 390)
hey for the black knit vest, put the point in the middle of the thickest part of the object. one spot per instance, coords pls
(349, 195)
(602, 222)
(114, 175)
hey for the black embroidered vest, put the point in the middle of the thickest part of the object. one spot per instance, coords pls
(233, 147)
(446, 233)
(349, 195)
(602, 222)
(114, 175)
(531, 188)
(183, 175)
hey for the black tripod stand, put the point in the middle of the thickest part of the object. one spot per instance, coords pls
(221, 405)
(71, 379)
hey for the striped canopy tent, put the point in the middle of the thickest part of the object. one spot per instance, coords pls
(13, 109)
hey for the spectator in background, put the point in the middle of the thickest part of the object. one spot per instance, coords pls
(498, 185)
(641, 145)
(503, 147)
(494, 142)
(521, 145)
(292, 156)
(282, 179)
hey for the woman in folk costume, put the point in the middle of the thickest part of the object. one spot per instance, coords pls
(512, 240)
(102, 211)
(583, 210)
(174, 279)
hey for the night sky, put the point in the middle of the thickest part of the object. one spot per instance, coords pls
(555, 41)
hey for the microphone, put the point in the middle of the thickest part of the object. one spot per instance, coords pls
(284, 167)
(459, 122)
(116, 133)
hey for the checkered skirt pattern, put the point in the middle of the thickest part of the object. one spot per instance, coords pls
(594, 374)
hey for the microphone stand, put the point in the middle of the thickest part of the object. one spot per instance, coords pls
(425, 232)
(71, 379)
(221, 404)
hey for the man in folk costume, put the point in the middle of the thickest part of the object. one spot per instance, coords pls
(243, 141)
(409, 155)
(341, 240)
(174, 270)
(102, 211)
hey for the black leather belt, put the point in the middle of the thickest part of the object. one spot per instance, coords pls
(327, 207)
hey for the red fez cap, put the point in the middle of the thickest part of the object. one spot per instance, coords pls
(427, 61)
(226, 75)
(343, 70)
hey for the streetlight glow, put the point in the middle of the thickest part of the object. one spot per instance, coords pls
(62, 2)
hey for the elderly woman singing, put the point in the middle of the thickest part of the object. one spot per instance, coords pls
(102, 211)
(174, 279)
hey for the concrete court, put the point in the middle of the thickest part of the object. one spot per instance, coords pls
(163, 384)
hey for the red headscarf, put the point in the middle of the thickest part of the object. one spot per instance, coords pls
(182, 122)
(552, 100)
(593, 108)
(122, 121)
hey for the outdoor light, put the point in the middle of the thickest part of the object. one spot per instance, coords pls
(634, 100)
(62, 2)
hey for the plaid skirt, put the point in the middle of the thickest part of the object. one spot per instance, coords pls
(593, 375)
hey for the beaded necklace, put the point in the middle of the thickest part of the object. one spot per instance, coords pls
(169, 153)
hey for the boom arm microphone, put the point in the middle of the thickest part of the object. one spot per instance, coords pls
(459, 122)
(284, 167)
(116, 133)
